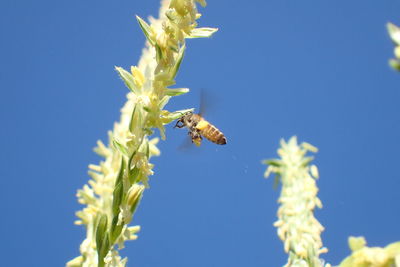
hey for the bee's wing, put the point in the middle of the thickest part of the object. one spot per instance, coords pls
(186, 145)
(207, 102)
(203, 100)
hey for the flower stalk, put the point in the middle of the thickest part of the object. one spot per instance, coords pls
(118, 182)
(297, 227)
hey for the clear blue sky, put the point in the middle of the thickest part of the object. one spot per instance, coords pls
(315, 69)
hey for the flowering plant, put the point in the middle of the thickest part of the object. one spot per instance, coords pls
(118, 182)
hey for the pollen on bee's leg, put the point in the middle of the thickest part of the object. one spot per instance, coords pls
(197, 141)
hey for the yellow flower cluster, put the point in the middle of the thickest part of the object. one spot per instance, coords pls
(118, 182)
(363, 256)
(297, 227)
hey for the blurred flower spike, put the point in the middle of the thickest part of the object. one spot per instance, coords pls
(394, 33)
(297, 227)
(118, 182)
(363, 256)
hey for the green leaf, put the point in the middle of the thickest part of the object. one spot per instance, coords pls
(178, 62)
(118, 190)
(120, 148)
(134, 175)
(131, 123)
(158, 53)
(116, 229)
(136, 118)
(163, 101)
(177, 114)
(147, 149)
(117, 198)
(176, 91)
(105, 247)
(272, 162)
(146, 30)
(202, 32)
(174, 48)
(101, 232)
(277, 179)
(128, 79)
(131, 158)
(147, 109)
(121, 172)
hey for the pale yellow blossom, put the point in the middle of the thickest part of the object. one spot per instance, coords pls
(118, 182)
(297, 227)
(363, 256)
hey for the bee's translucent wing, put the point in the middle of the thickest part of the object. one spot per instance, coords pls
(203, 100)
(188, 146)
(207, 102)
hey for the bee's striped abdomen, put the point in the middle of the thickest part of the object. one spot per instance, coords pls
(212, 133)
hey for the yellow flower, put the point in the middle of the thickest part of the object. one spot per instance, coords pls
(138, 76)
(297, 227)
(363, 256)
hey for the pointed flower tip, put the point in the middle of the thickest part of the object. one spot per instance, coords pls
(147, 29)
(309, 147)
(202, 32)
(176, 91)
(391, 27)
(129, 80)
(75, 262)
(394, 32)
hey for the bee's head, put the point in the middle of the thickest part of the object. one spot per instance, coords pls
(186, 115)
(182, 121)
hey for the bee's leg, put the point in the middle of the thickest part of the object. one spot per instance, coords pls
(179, 124)
(195, 135)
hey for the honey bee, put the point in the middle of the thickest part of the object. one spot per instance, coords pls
(199, 127)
